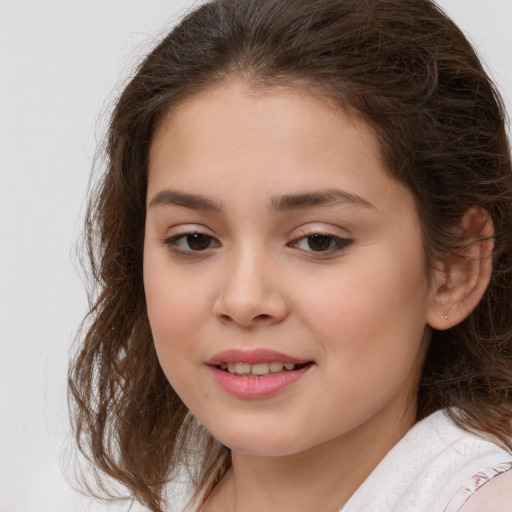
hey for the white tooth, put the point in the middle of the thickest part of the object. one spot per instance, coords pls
(289, 366)
(223, 366)
(242, 368)
(276, 366)
(231, 367)
(260, 368)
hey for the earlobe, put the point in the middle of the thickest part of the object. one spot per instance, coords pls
(465, 274)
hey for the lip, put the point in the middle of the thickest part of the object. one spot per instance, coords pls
(253, 356)
(245, 387)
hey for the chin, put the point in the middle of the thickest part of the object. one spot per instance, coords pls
(260, 448)
(263, 442)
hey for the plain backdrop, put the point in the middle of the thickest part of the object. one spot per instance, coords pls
(62, 63)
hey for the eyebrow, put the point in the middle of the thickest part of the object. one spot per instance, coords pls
(320, 198)
(278, 204)
(192, 201)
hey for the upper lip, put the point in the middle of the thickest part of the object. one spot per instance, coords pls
(253, 356)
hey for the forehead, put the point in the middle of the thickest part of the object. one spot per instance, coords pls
(276, 140)
(240, 110)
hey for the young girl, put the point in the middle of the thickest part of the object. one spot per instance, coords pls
(303, 246)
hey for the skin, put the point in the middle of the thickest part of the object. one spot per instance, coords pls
(495, 495)
(359, 312)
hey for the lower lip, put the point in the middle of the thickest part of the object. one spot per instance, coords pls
(256, 387)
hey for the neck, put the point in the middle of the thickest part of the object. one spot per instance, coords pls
(321, 478)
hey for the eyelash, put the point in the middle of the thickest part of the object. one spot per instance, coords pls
(335, 243)
(172, 243)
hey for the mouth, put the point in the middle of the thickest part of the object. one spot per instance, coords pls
(257, 373)
(259, 370)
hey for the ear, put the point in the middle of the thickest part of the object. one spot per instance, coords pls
(463, 277)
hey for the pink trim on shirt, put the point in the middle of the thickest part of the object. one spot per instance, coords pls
(474, 483)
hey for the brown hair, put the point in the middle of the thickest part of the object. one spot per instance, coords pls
(410, 73)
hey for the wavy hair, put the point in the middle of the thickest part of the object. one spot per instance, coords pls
(406, 69)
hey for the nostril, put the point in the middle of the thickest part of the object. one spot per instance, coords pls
(261, 317)
(258, 319)
(249, 311)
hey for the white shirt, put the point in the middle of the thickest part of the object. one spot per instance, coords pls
(435, 467)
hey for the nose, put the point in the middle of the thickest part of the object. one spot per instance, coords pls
(249, 292)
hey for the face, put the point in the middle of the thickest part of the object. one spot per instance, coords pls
(284, 273)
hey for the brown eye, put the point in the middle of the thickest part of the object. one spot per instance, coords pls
(191, 242)
(198, 241)
(320, 242)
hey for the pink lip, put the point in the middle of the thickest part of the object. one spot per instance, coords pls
(246, 387)
(253, 356)
(256, 387)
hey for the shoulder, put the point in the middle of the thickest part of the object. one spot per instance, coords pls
(495, 495)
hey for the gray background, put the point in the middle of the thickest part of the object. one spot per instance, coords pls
(62, 62)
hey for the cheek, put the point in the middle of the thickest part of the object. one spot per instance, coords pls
(175, 317)
(175, 309)
(370, 321)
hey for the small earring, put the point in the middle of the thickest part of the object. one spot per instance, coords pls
(446, 317)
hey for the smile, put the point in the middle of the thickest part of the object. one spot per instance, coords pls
(256, 373)
(258, 369)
